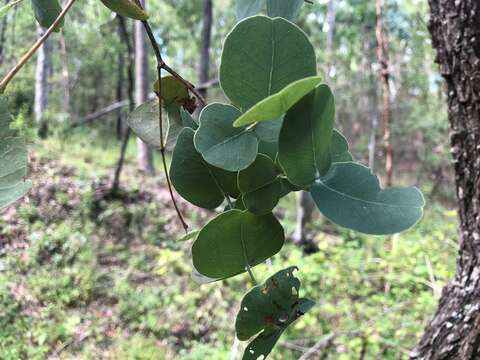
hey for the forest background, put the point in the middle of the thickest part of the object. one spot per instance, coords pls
(85, 275)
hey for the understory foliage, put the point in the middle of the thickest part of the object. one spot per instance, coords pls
(100, 278)
(276, 136)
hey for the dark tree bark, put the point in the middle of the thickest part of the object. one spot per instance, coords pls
(120, 77)
(454, 332)
(384, 73)
(204, 70)
(305, 207)
(145, 154)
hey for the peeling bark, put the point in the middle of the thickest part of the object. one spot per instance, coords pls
(454, 332)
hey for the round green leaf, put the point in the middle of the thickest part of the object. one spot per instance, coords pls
(339, 150)
(13, 160)
(173, 90)
(271, 307)
(268, 148)
(276, 105)
(268, 131)
(260, 186)
(350, 196)
(187, 119)
(126, 8)
(287, 187)
(144, 123)
(46, 12)
(246, 8)
(305, 137)
(261, 56)
(263, 344)
(194, 179)
(263, 200)
(221, 144)
(288, 9)
(234, 239)
(226, 180)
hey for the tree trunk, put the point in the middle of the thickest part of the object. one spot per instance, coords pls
(331, 18)
(454, 332)
(384, 73)
(123, 33)
(145, 154)
(305, 207)
(204, 70)
(372, 97)
(120, 78)
(65, 75)
(41, 83)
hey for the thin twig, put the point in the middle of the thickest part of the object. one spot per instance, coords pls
(323, 342)
(161, 65)
(30, 52)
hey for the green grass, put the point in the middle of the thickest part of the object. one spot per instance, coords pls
(86, 277)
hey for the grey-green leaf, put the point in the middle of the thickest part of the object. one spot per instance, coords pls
(339, 149)
(268, 148)
(263, 344)
(350, 196)
(126, 8)
(233, 240)
(194, 179)
(13, 160)
(305, 137)
(221, 144)
(276, 105)
(261, 56)
(268, 131)
(46, 12)
(246, 8)
(271, 307)
(187, 119)
(259, 185)
(144, 122)
(288, 9)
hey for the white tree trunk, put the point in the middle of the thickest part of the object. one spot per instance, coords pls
(44, 63)
(145, 155)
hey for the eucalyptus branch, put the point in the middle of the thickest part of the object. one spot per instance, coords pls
(30, 52)
(162, 65)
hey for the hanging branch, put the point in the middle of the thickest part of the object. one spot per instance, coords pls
(161, 65)
(30, 52)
